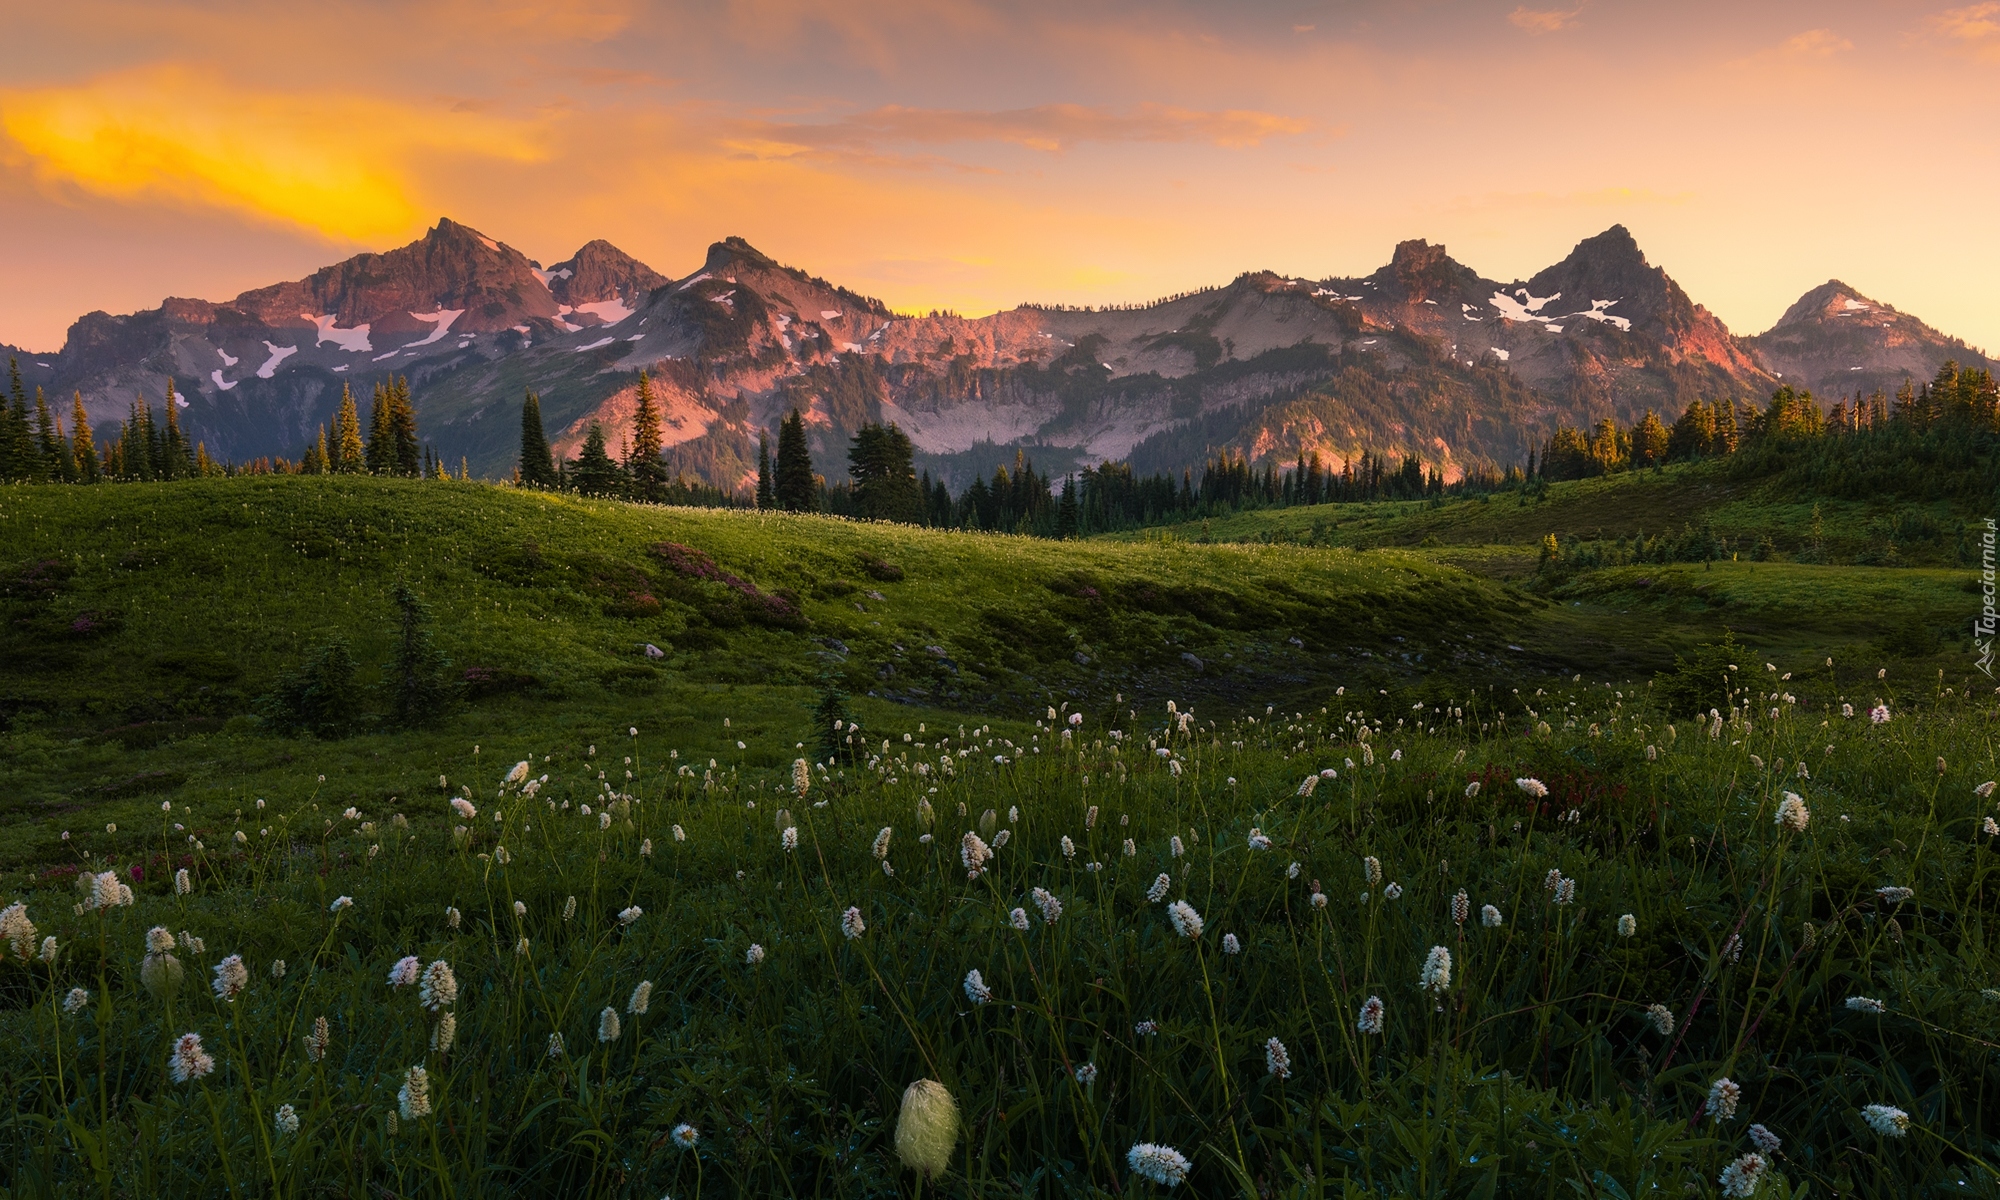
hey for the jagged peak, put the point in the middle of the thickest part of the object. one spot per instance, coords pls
(1831, 296)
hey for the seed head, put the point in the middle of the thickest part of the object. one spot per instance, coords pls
(927, 1128)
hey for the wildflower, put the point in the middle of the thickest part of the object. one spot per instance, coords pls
(608, 1028)
(438, 987)
(405, 972)
(1132, 849)
(413, 1099)
(788, 841)
(445, 1034)
(1741, 1177)
(1158, 891)
(686, 1136)
(1865, 1004)
(1018, 919)
(1894, 895)
(851, 923)
(1887, 1121)
(277, 968)
(1371, 869)
(1437, 970)
(1393, 892)
(1306, 787)
(517, 775)
(340, 903)
(17, 930)
(521, 947)
(975, 987)
(1163, 1165)
(1187, 922)
(1047, 902)
(646, 848)
(1628, 925)
(1174, 845)
(74, 1002)
(1792, 813)
(626, 916)
(974, 853)
(1086, 1074)
(1292, 872)
(1068, 847)
(1879, 715)
(192, 944)
(1257, 839)
(1534, 787)
(189, 1061)
(1565, 891)
(1732, 949)
(1146, 1029)
(1991, 828)
(1985, 790)
(501, 856)
(801, 776)
(231, 977)
(927, 1128)
(182, 883)
(680, 835)
(1489, 916)
(1723, 1096)
(452, 917)
(463, 808)
(317, 1040)
(520, 908)
(1090, 817)
(555, 1049)
(1662, 1018)
(1461, 907)
(1472, 789)
(881, 849)
(1230, 945)
(1370, 1020)
(287, 1120)
(755, 954)
(1765, 1140)
(1277, 1060)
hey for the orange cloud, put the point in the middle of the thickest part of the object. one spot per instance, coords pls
(1545, 20)
(1815, 43)
(1049, 127)
(336, 164)
(1977, 27)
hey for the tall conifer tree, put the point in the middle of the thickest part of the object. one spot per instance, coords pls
(537, 464)
(349, 455)
(408, 451)
(595, 474)
(795, 488)
(380, 456)
(82, 446)
(766, 497)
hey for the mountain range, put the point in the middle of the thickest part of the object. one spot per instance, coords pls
(1424, 356)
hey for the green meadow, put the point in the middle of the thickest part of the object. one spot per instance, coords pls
(1350, 851)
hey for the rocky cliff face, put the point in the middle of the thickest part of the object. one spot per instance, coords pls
(1838, 342)
(1424, 356)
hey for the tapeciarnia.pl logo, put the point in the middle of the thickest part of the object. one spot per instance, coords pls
(1983, 624)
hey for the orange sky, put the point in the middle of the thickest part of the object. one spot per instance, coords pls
(974, 155)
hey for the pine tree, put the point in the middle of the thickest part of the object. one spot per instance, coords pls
(642, 460)
(538, 467)
(419, 673)
(349, 456)
(176, 457)
(314, 462)
(766, 498)
(408, 451)
(204, 466)
(794, 486)
(17, 458)
(47, 443)
(595, 474)
(885, 485)
(1066, 511)
(380, 456)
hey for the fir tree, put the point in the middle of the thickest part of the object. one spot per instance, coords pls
(419, 674)
(538, 467)
(1066, 512)
(408, 457)
(176, 458)
(595, 474)
(47, 443)
(885, 485)
(794, 485)
(642, 460)
(17, 457)
(315, 462)
(380, 456)
(349, 455)
(766, 498)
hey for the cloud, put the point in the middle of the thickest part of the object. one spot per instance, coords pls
(341, 165)
(1975, 27)
(1545, 20)
(1050, 127)
(1815, 43)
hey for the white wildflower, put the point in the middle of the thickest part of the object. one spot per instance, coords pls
(286, 1120)
(1370, 1020)
(1187, 922)
(1163, 1165)
(1792, 813)
(1628, 925)
(755, 954)
(75, 1001)
(189, 1061)
(1047, 902)
(1436, 976)
(1534, 787)
(608, 1027)
(1158, 891)
(1740, 1178)
(1886, 1120)
(1723, 1096)
(413, 1099)
(1865, 1004)
(231, 977)
(851, 923)
(439, 987)
(405, 972)
(975, 987)
(1277, 1060)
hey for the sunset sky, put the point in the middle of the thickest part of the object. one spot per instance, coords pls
(971, 155)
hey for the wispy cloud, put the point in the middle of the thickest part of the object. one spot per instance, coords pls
(1051, 127)
(337, 164)
(1975, 28)
(1815, 43)
(1545, 20)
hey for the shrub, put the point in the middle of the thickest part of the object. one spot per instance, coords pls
(321, 699)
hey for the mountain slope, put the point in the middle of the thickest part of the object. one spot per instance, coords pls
(1424, 356)
(1838, 342)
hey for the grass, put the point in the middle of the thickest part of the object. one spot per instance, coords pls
(1387, 679)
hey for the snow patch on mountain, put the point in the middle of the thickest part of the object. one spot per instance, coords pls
(228, 359)
(278, 354)
(1521, 306)
(608, 311)
(443, 317)
(216, 375)
(354, 341)
(596, 345)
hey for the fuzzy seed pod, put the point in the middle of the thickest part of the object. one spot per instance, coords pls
(927, 1129)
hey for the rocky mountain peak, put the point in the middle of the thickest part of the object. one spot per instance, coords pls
(1830, 300)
